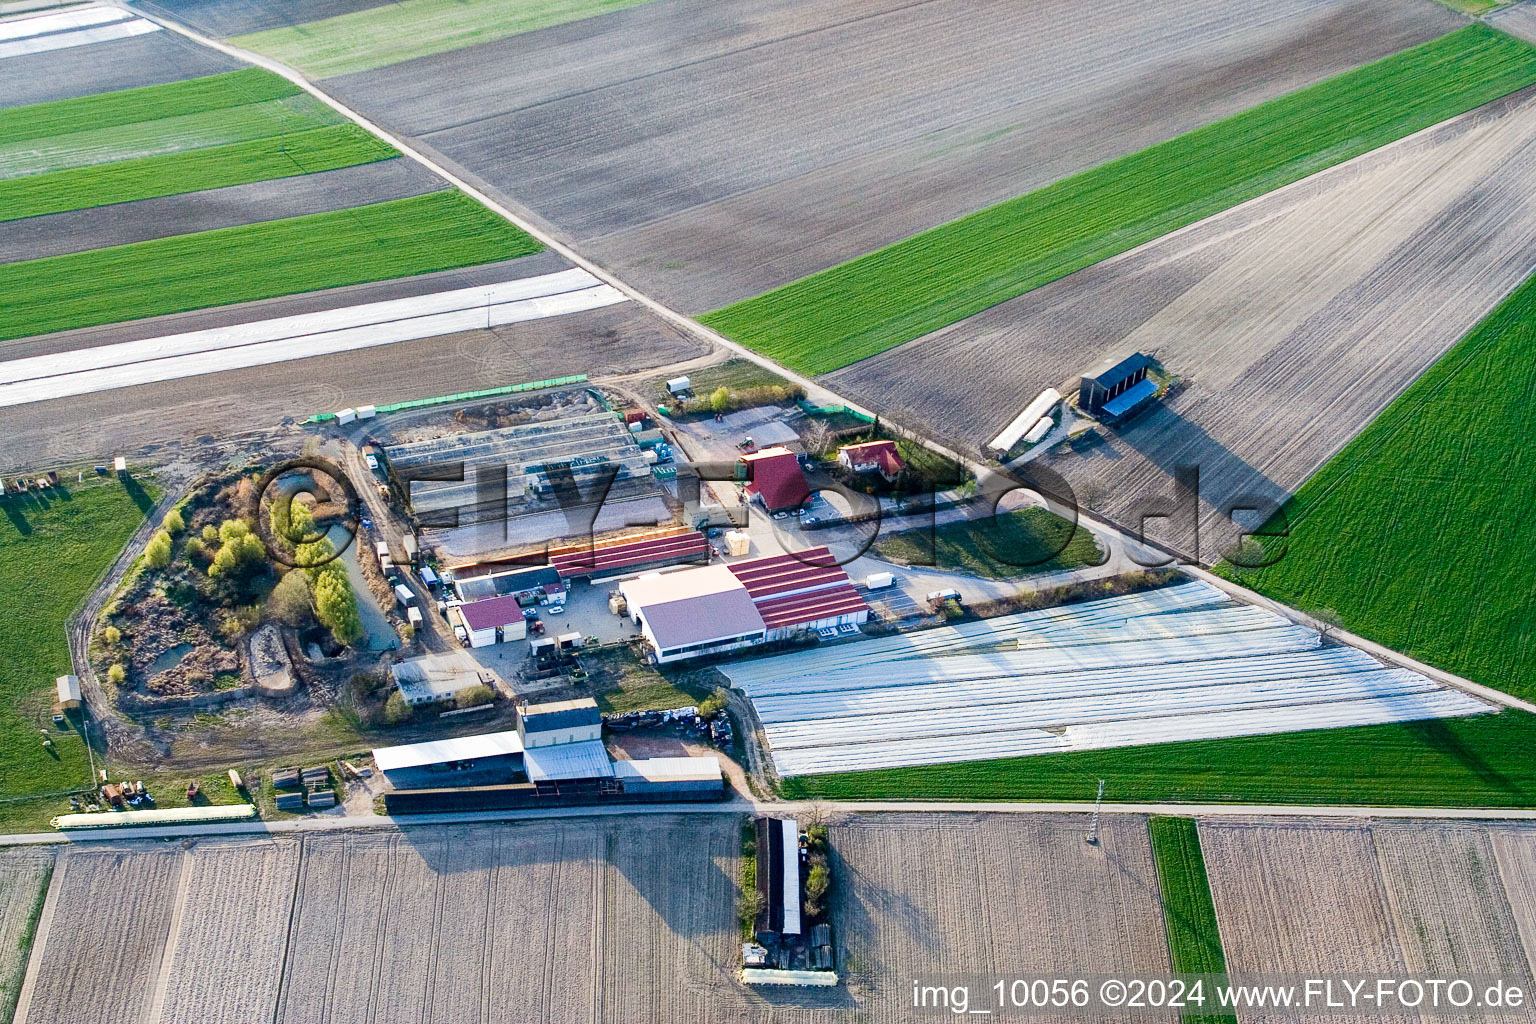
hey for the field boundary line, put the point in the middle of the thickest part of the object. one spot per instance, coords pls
(1102, 527)
(155, 997)
(268, 829)
(39, 942)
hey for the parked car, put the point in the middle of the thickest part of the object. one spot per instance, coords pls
(373, 462)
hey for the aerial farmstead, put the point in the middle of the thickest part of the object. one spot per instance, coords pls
(573, 511)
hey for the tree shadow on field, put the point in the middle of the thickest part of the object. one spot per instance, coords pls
(1437, 736)
(137, 492)
(14, 513)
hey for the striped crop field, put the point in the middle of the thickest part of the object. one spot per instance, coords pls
(1419, 533)
(276, 156)
(903, 291)
(1189, 914)
(165, 140)
(148, 103)
(437, 231)
(378, 36)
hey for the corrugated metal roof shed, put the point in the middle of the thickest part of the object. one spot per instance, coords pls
(673, 544)
(587, 759)
(1109, 373)
(461, 748)
(491, 613)
(793, 609)
(659, 769)
(560, 714)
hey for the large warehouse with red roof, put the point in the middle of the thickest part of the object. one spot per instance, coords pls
(719, 608)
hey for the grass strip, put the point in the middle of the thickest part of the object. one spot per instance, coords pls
(1419, 534)
(148, 103)
(936, 278)
(1480, 761)
(1015, 543)
(373, 38)
(399, 238)
(280, 156)
(1189, 913)
(54, 546)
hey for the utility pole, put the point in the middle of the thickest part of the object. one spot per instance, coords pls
(1093, 828)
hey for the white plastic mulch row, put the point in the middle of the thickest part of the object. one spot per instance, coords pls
(42, 24)
(1010, 689)
(85, 371)
(1177, 664)
(1066, 711)
(39, 40)
(1005, 629)
(1438, 703)
(1081, 658)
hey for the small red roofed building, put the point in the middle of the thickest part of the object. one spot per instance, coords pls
(872, 457)
(774, 479)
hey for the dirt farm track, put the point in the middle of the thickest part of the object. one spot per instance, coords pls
(708, 150)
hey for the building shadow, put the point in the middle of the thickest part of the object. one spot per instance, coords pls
(137, 493)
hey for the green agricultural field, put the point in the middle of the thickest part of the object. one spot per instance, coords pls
(901, 292)
(149, 103)
(437, 231)
(92, 146)
(1419, 534)
(369, 39)
(279, 156)
(1017, 543)
(1480, 761)
(1189, 913)
(52, 551)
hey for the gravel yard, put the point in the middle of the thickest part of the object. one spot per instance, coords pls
(1291, 320)
(708, 151)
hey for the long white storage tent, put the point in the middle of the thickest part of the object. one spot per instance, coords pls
(1033, 412)
(1174, 664)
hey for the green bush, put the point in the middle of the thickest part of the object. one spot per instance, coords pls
(473, 696)
(113, 635)
(173, 521)
(396, 710)
(290, 601)
(158, 552)
(238, 548)
(714, 703)
(116, 674)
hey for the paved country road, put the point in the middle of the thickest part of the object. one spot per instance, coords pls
(782, 808)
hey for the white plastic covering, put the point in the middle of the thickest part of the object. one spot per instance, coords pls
(81, 37)
(84, 371)
(1177, 664)
(41, 24)
(1041, 406)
